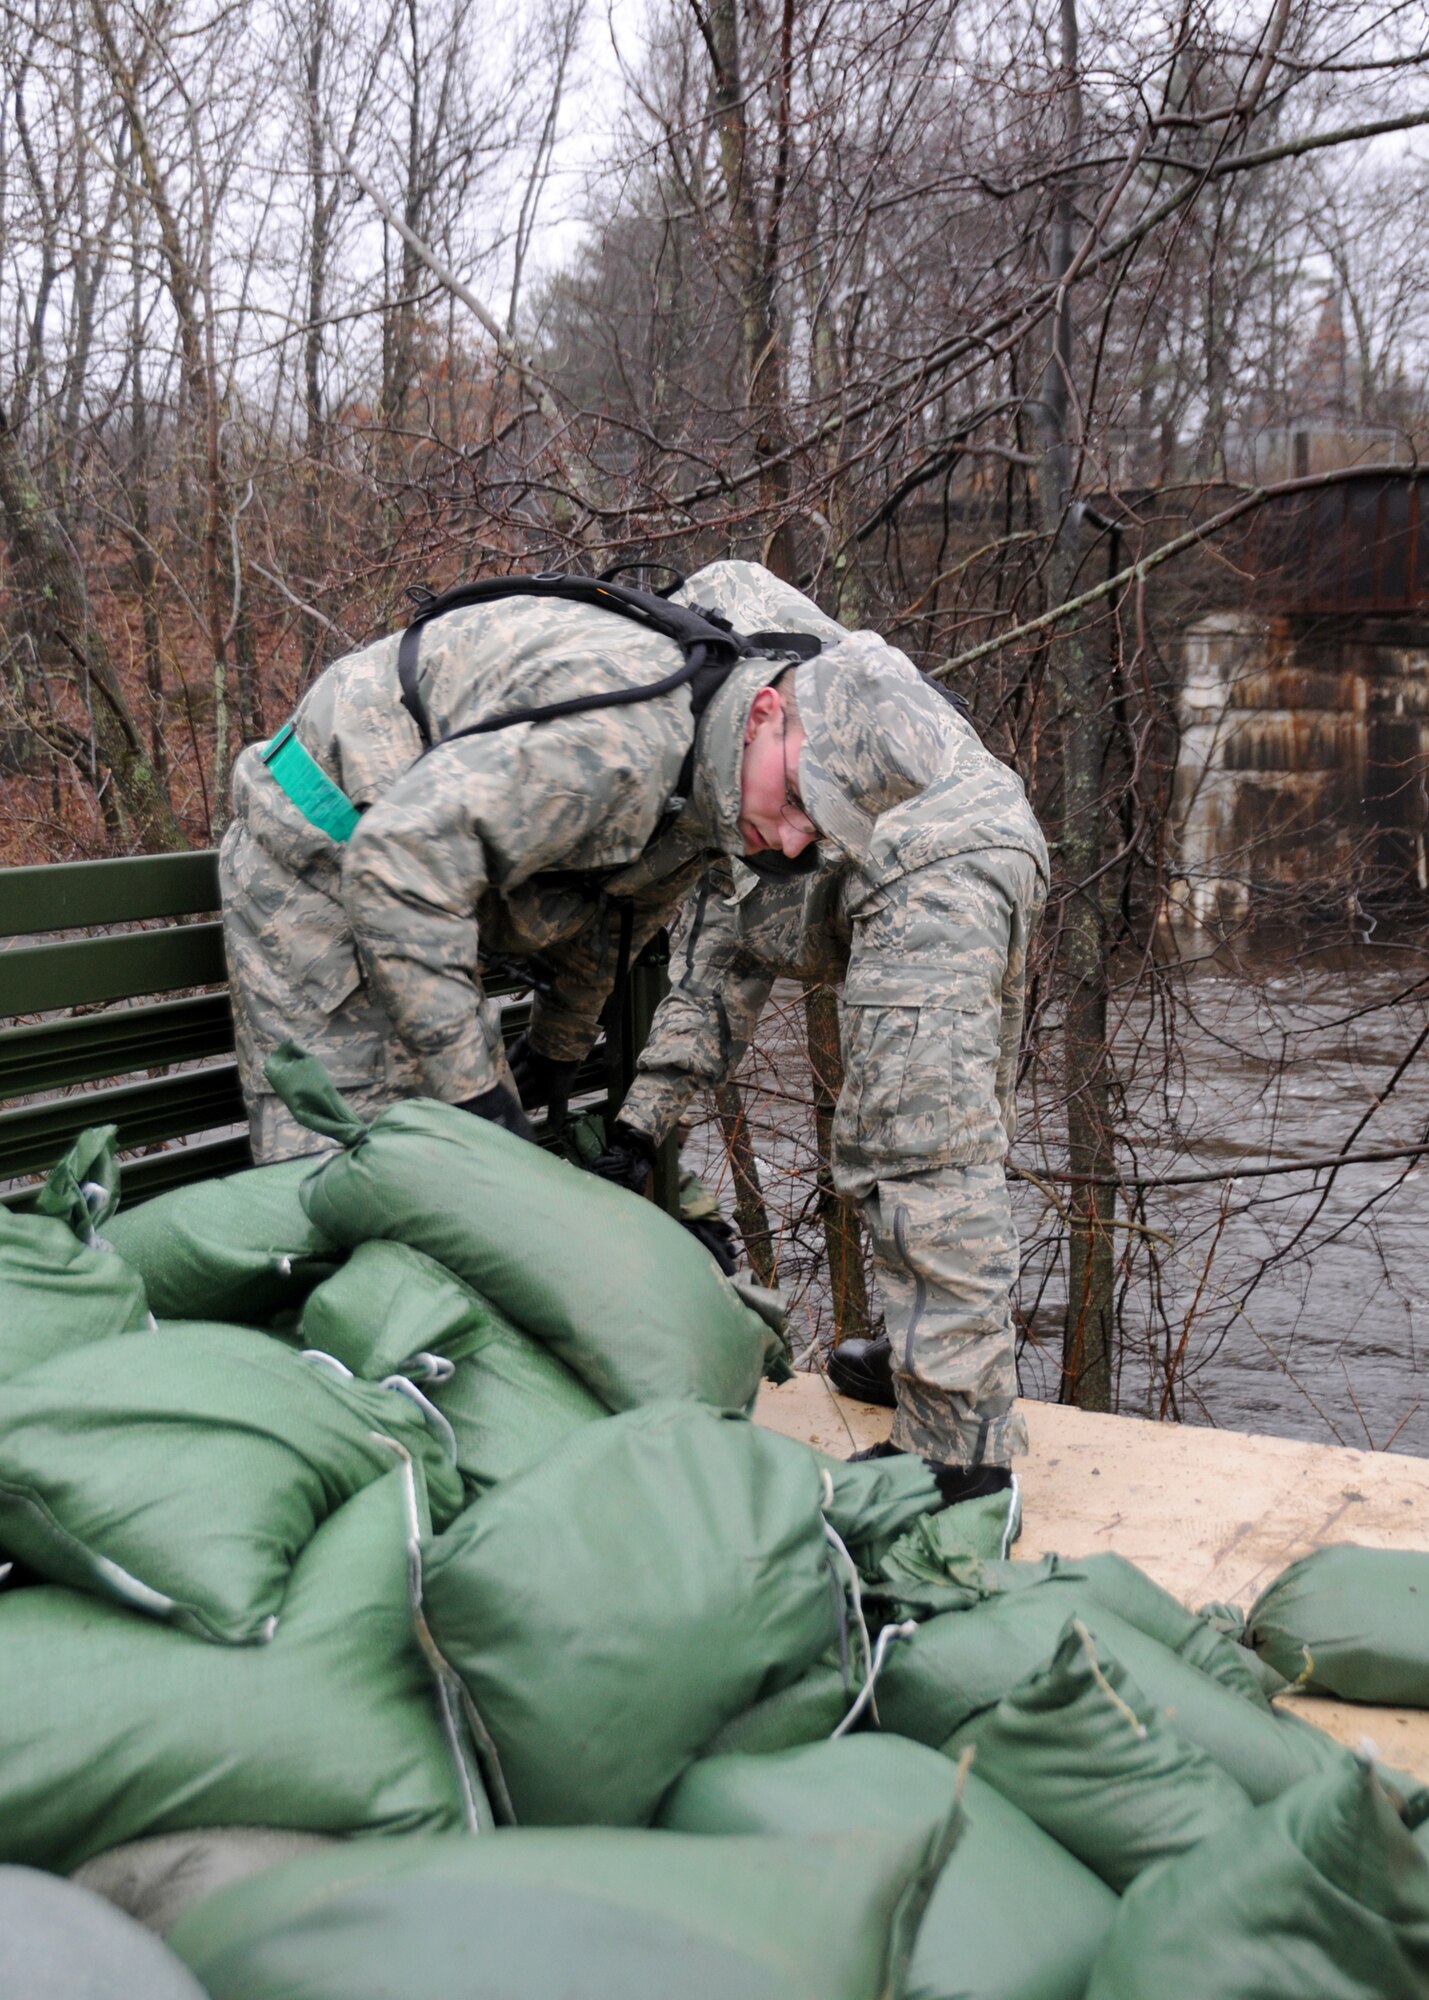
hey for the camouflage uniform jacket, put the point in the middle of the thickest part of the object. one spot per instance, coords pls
(739, 934)
(502, 845)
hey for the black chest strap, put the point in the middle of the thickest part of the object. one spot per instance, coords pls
(711, 649)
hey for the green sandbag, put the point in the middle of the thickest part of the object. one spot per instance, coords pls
(510, 1403)
(1322, 1895)
(82, 1188)
(1012, 1917)
(941, 1562)
(611, 1608)
(1228, 1622)
(387, 1305)
(546, 1915)
(57, 1293)
(877, 1500)
(807, 1712)
(1081, 1750)
(113, 1727)
(1199, 1640)
(1351, 1622)
(617, 1289)
(60, 1286)
(508, 1398)
(240, 1248)
(932, 1569)
(184, 1471)
(963, 1662)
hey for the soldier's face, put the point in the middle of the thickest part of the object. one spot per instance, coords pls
(770, 813)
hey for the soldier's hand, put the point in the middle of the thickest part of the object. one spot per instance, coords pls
(627, 1160)
(717, 1236)
(501, 1108)
(542, 1083)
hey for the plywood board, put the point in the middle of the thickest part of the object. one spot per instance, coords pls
(1210, 1514)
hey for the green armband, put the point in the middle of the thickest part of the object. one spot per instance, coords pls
(308, 785)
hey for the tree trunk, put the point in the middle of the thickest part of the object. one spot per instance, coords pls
(750, 1212)
(140, 534)
(843, 1234)
(198, 369)
(1088, 1341)
(252, 721)
(52, 597)
(843, 1240)
(1088, 1334)
(314, 403)
(754, 254)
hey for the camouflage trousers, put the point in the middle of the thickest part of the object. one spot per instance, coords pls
(945, 1251)
(932, 1018)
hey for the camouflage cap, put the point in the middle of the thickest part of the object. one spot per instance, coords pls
(719, 752)
(754, 600)
(875, 734)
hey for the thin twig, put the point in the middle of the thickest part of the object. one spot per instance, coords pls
(1226, 1174)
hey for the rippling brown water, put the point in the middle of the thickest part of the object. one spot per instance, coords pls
(1296, 1304)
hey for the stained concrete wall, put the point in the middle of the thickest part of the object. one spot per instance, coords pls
(1303, 763)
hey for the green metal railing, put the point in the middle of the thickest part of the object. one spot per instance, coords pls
(102, 1059)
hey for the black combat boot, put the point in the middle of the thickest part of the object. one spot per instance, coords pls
(954, 1482)
(969, 1482)
(864, 1369)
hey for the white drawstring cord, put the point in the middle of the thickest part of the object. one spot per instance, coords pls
(432, 1416)
(864, 1698)
(442, 1676)
(96, 1200)
(321, 1359)
(1014, 1519)
(433, 1368)
(852, 1587)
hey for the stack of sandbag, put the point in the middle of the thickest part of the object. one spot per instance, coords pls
(217, 1537)
(864, 1867)
(614, 1288)
(191, 1499)
(1321, 1891)
(409, 1491)
(529, 1297)
(958, 1664)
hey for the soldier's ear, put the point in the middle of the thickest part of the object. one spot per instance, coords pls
(765, 707)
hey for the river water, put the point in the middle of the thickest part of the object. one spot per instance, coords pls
(1296, 1304)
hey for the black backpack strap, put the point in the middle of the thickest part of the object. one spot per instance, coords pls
(409, 648)
(679, 622)
(710, 649)
(801, 645)
(668, 590)
(615, 1006)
